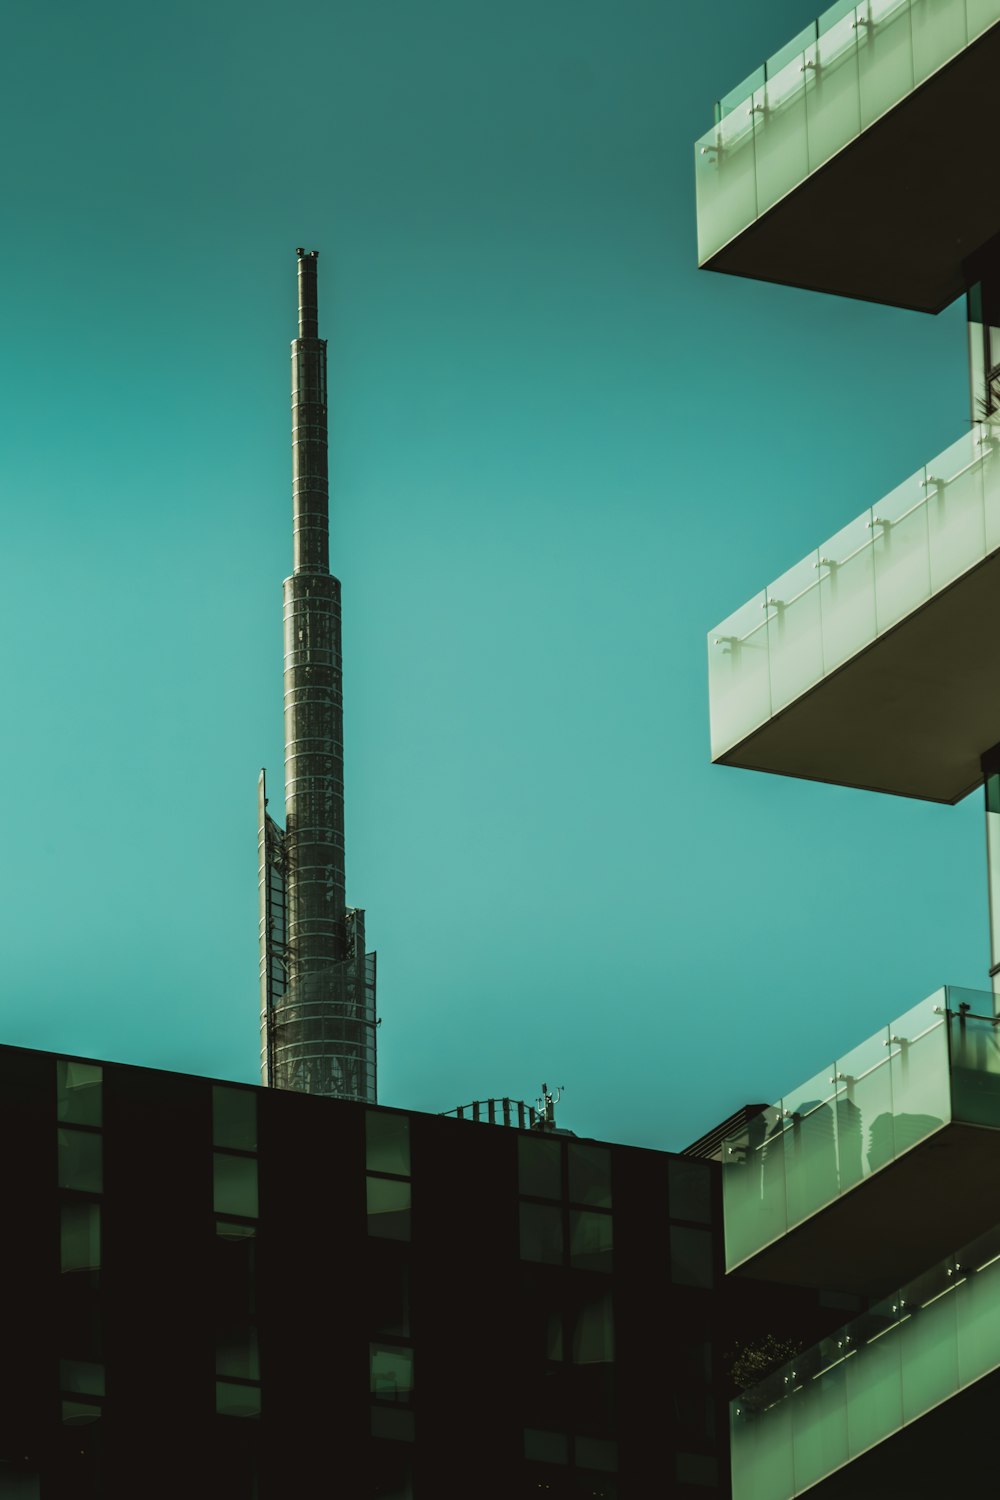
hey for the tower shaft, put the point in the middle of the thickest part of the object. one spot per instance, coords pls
(319, 1031)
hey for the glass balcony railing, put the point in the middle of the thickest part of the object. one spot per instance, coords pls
(900, 1359)
(937, 1064)
(815, 96)
(855, 587)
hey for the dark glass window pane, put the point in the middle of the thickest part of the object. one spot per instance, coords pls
(236, 1354)
(388, 1208)
(391, 1468)
(235, 1188)
(690, 1256)
(79, 1092)
(539, 1166)
(19, 1481)
(81, 1161)
(594, 1334)
(546, 1447)
(596, 1453)
(234, 1118)
(591, 1238)
(81, 1377)
(541, 1233)
(697, 1468)
(387, 1142)
(393, 1422)
(388, 1278)
(228, 1231)
(391, 1369)
(80, 1236)
(690, 1190)
(237, 1400)
(589, 1175)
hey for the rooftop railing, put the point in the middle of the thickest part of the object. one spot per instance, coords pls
(816, 95)
(857, 586)
(938, 1063)
(900, 1359)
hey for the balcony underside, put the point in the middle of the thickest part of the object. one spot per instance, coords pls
(912, 714)
(892, 1226)
(894, 216)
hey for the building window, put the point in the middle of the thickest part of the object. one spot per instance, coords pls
(391, 1372)
(387, 1142)
(690, 1256)
(590, 1240)
(690, 1190)
(539, 1166)
(234, 1118)
(542, 1233)
(696, 1468)
(235, 1184)
(580, 1230)
(589, 1175)
(237, 1399)
(388, 1203)
(81, 1164)
(79, 1093)
(79, 1235)
(81, 1384)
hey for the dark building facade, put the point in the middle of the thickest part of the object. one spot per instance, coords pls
(441, 1308)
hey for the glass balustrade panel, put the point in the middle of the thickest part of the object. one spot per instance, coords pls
(811, 1176)
(975, 1062)
(956, 521)
(725, 180)
(938, 33)
(794, 633)
(819, 1414)
(978, 1309)
(900, 547)
(761, 1436)
(928, 1338)
(980, 15)
(753, 1186)
(989, 445)
(847, 592)
(833, 105)
(780, 133)
(865, 1135)
(885, 56)
(738, 675)
(921, 1086)
(873, 1376)
(741, 93)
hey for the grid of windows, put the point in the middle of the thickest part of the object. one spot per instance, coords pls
(390, 1350)
(80, 1155)
(236, 1205)
(565, 1203)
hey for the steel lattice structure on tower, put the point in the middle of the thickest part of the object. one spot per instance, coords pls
(317, 981)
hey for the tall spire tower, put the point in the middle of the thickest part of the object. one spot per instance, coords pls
(317, 982)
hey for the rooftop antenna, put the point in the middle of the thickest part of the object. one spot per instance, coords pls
(546, 1106)
(317, 981)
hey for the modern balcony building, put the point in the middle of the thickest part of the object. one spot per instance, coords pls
(870, 663)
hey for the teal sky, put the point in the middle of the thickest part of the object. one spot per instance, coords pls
(560, 455)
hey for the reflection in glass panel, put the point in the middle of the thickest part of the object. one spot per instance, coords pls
(938, 33)
(388, 1283)
(539, 1166)
(82, 1377)
(394, 1423)
(391, 1369)
(233, 1400)
(387, 1142)
(80, 1413)
(235, 1185)
(753, 1186)
(79, 1092)
(819, 1414)
(236, 1354)
(596, 1453)
(594, 1333)
(918, 1067)
(541, 1233)
(591, 1239)
(864, 1110)
(589, 1174)
(811, 1146)
(234, 1118)
(389, 1206)
(79, 1236)
(690, 1256)
(81, 1161)
(690, 1189)
(988, 435)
